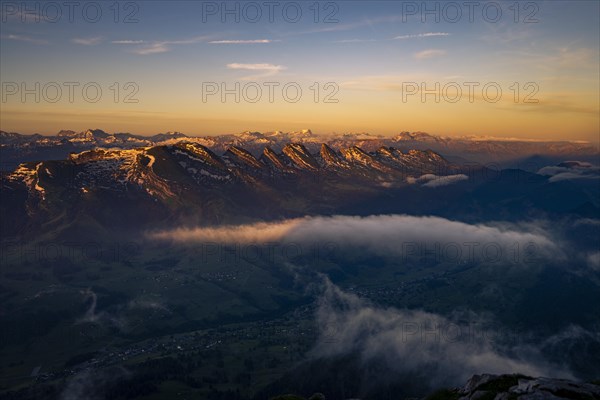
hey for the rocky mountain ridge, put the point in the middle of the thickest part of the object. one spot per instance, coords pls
(520, 387)
(16, 148)
(117, 168)
(190, 183)
(502, 387)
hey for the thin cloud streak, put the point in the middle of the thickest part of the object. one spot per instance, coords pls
(266, 69)
(422, 35)
(256, 67)
(154, 48)
(87, 41)
(354, 41)
(164, 46)
(256, 41)
(417, 36)
(431, 53)
(21, 38)
(128, 41)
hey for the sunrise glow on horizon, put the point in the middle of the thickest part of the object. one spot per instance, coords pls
(529, 73)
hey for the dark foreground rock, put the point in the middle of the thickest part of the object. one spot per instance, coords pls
(513, 387)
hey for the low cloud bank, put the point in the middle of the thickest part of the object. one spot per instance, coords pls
(261, 232)
(389, 235)
(433, 181)
(569, 170)
(445, 352)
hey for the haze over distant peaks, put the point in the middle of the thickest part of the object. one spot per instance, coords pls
(17, 148)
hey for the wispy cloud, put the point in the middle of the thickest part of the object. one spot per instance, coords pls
(570, 170)
(193, 40)
(432, 181)
(255, 41)
(425, 54)
(338, 27)
(416, 36)
(22, 38)
(354, 41)
(422, 35)
(256, 67)
(127, 42)
(265, 69)
(154, 48)
(88, 41)
(402, 341)
(383, 82)
(163, 46)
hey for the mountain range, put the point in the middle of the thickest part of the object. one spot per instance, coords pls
(527, 154)
(183, 181)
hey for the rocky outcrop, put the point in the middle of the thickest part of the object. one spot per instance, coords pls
(519, 387)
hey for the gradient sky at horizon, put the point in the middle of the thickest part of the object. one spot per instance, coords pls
(371, 53)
